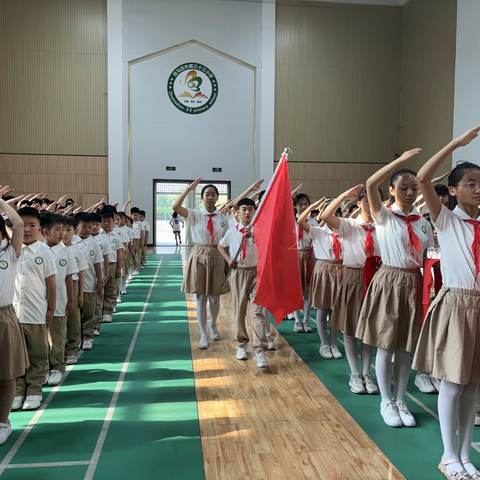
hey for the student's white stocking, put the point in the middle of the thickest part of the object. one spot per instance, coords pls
(202, 314)
(322, 326)
(351, 354)
(214, 301)
(306, 311)
(383, 368)
(468, 404)
(366, 358)
(401, 370)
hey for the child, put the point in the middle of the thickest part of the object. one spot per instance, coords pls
(326, 278)
(175, 224)
(13, 351)
(305, 252)
(146, 229)
(361, 256)
(34, 303)
(243, 281)
(115, 258)
(391, 314)
(93, 278)
(52, 231)
(74, 336)
(138, 235)
(448, 347)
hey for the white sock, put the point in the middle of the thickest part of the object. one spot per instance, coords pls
(214, 301)
(448, 405)
(383, 368)
(202, 314)
(333, 335)
(322, 326)
(400, 371)
(467, 407)
(306, 311)
(351, 354)
(366, 358)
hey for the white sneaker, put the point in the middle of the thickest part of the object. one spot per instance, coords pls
(213, 332)
(96, 332)
(271, 344)
(71, 360)
(124, 291)
(423, 383)
(336, 353)
(306, 326)
(54, 378)
(119, 299)
(477, 417)
(356, 383)
(87, 344)
(290, 316)
(298, 327)
(436, 383)
(32, 402)
(17, 403)
(405, 416)
(107, 318)
(325, 352)
(389, 412)
(370, 384)
(203, 343)
(241, 353)
(5, 432)
(261, 360)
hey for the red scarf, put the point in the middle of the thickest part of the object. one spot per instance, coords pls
(336, 246)
(475, 244)
(431, 271)
(373, 262)
(369, 243)
(243, 251)
(300, 232)
(210, 228)
(415, 243)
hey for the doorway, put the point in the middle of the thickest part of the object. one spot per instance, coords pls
(164, 194)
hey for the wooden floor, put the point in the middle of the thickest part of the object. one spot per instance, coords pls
(281, 423)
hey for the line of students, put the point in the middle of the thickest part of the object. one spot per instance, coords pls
(364, 273)
(61, 276)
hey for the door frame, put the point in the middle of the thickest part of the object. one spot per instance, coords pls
(176, 180)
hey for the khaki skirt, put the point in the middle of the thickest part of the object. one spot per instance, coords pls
(391, 315)
(449, 343)
(306, 268)
(205, 272)
(13, 351)
(348, 304)
(326, 278)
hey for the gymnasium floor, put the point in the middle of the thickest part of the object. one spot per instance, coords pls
(144, 405)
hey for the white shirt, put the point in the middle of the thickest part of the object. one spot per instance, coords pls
(392, 235)
(36, 264)
(175, 223)
(233, 239)
(122, 233)
(8, 271)
(322, 242)
(455, 237)
(306, 241)
(93, 255)
(146, 226)
(353, 242)
(198, 219)
(105, 248)
(137, 230)
(66, 265)
(115, 244)
(79, 257)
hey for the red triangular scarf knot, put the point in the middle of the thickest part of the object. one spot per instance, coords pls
(369, 242)
(415, 242)
(336, 247)
(476, 243)
(243, 252)
(210, 228)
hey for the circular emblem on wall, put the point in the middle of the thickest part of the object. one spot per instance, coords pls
(192, 88)
(62, 262)
(38, 260)
(3, 264)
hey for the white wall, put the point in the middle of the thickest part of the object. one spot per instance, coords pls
(225, 136)
(467, 73)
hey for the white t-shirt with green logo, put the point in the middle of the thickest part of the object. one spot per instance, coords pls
(115, 243)
(93, 255)
(8, 270)
(66, 265)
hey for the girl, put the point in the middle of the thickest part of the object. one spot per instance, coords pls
(304, 245)
(390, 318)
(326, 277)
(13, 352)
(175, 224)
(449, 342)
(361, 256)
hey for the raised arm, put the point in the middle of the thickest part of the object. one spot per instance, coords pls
(426, 173)
(177, 204)
(373, 183)
(328, 214)
(252, 188)
(17, 222)
(303, 218)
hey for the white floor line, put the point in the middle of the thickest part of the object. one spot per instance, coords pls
(118, 387)
(34, 420)
(48, 464)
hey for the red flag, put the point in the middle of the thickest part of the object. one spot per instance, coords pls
(279, 288)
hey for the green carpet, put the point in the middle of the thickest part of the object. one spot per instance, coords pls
(154, 427)
(414, 451)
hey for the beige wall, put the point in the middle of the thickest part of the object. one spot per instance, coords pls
(53, 77)
(428, 76)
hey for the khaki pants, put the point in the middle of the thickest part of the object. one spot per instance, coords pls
(74, 326)
(110, 292)
(36, 339)
(57, 331)
(99, 310)
(88, 314)
(243, 284)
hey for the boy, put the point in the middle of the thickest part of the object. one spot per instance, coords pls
(139, 236)
(74, 335)
(146, 228)
(115, 264)
(52, 231)
(243, 282)
(93, 278)
(121, 231)
(34, 304)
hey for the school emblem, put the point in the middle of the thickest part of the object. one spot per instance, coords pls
(38, 260)
(192, 88)
(115, 241)
(101, 247)
(424, 229)
(77, 260)
(62, 262)
(3, 264)
(92, 253)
